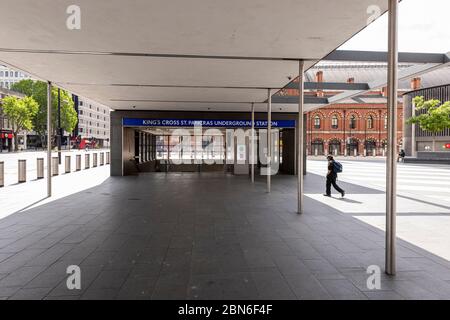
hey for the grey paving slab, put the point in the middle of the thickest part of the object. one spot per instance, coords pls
(30, 294)
(342, 289)
(100, 294)
(137, 288)
(50, 277)
(50, 255)
(272, 285)
(383, 295)
(223, 286)
(207, 236)
(8, 291)
(307, 287)
(21, 276)
(110, 279)
(171, 286)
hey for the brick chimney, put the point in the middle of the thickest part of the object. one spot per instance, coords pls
(319, 78)
(416, 83)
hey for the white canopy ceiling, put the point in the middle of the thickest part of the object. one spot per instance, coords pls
(176, 54)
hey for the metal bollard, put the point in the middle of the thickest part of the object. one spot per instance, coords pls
(102, 158)
(22, 170)
(107, 157)
(40, 168)
(86, 161)
(78, 162)
(2, 174)
(55, 166)
(94, 160)
(67, 164)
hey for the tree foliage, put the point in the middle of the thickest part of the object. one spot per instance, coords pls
(38, 90)
(20, 113)
(431, 115)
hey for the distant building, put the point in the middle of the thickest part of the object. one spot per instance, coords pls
(358, 125)
(351, 128)
(93, 121)
(416, 139)
(93, 118)
(10, 76)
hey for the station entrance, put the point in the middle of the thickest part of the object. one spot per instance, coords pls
(157, 145)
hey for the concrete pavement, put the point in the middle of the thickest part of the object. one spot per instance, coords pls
(209, 236)
(11, 162)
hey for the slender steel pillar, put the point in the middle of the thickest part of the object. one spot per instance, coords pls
(252, 146)
(49, 139)
(59, 134)
(391, 161)
(300, 136)
(413, 128)
(269, 138)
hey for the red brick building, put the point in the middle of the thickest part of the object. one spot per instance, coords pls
(356, 126)
(350, 129)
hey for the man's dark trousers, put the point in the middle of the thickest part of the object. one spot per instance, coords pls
(331, 180)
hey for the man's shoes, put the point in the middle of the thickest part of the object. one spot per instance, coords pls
(327, 195)
(343, 194)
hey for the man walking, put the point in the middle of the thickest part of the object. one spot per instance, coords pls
(331, 178)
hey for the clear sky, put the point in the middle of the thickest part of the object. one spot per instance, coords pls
(424, 26)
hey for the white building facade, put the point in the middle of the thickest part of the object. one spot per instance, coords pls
(93, 117)
(10, 76)
(93, 121)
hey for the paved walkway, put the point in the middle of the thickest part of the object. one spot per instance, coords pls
(427, 181)
(10, 161)
(206, 236)
(423, 202)
(33, 193)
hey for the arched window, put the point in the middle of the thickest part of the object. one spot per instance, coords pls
(317, 122)
(385, 121)
(334, 122)
(370, 122)
(352, 123)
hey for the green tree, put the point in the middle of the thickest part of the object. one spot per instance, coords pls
(431, 115)
(38, 90)
(20, 113)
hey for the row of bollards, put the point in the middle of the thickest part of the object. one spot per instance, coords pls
(22, 166)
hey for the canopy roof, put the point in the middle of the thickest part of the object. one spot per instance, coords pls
(213, 55)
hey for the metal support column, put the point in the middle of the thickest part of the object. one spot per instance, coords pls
(252, 146)
(391, 161)
(413, 128)
(269, 138)
(59, 134)
(49, 139)
(300, 136)
(168, 154)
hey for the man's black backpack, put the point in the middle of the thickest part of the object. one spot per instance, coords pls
(337, 167)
